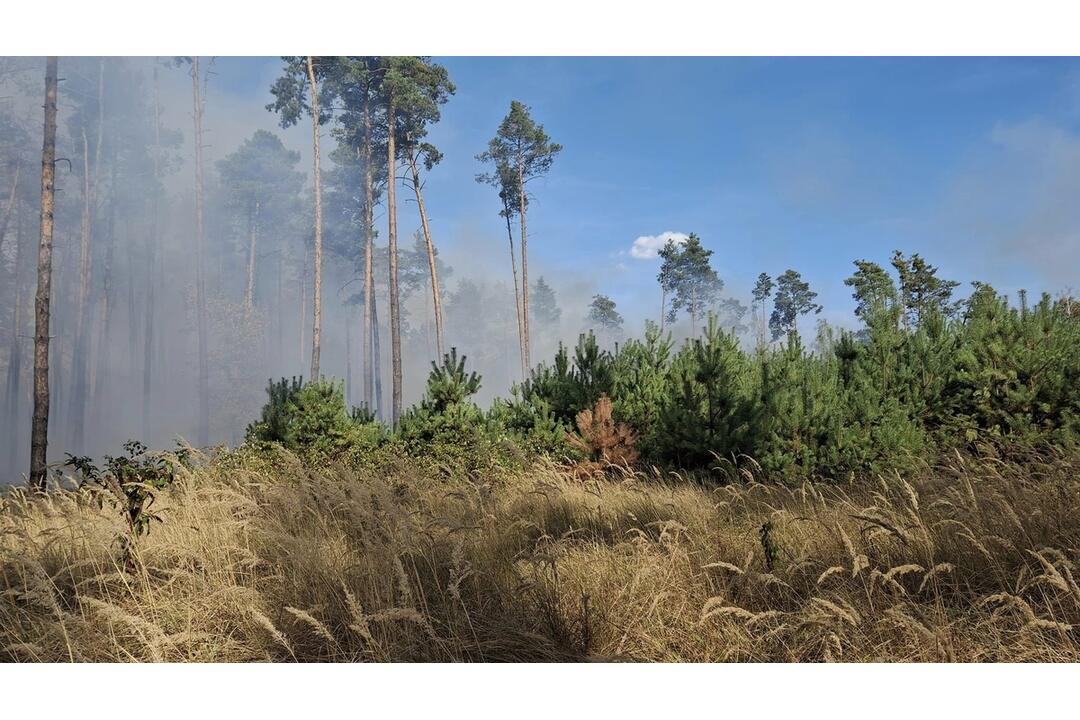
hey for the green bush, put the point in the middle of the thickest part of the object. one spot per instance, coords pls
(312, 421)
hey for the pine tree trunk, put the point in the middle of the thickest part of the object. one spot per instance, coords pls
(39, 429)
(517, 290)
(303, 307)
(378, 358)
(10, 209)
(13, 386)
(104, 350)
(348, 365)
(316, 325)
(200, 270)
(369, 249)
(435, 295)
(524, 269)
(663, 307)
(395, 310)
(79, 385)
(253, 223)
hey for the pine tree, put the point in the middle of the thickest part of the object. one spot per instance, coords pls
(921, 290)
(793, 299)
(688, 276)
(603, 316)
(521, 151)
(762, 292)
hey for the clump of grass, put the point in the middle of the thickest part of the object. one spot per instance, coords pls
(973, 560)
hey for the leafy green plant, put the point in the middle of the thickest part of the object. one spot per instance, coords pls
(132, 481)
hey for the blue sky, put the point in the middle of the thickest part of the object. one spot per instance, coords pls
(775, 163)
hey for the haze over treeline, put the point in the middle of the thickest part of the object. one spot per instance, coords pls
(184, 263)
(131, 227)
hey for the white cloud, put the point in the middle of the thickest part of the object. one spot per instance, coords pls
(647, 247)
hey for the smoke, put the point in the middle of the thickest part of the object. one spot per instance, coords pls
(141, 295)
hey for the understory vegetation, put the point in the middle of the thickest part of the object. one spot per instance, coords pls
(986, 377)
(906, 493)
(261, 557)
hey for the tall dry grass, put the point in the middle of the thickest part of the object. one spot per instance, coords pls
(975, 560)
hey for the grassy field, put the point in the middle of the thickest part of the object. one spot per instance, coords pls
(972, 560)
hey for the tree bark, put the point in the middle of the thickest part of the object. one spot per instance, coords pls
(517, 291)
(200, 270)
(39, 428)
(316, 325)
(435, 295)
(395, 310)
(524, 269)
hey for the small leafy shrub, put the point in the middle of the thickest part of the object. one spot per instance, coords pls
(132, 481)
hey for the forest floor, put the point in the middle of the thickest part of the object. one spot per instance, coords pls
(972, 560)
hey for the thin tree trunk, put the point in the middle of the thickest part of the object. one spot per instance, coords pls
(12, 394)
(369, 249)
(80, 361)
(303, 307)
(104, 351)
(378, 358)
(517, 290)
(524, 269)
(395, 309)
(200, 270)
(249, 292)
(316, 325)
(348, 364)
(10, 204)
(663, 307)
(152, 241)
(435, 295)
(39, 428)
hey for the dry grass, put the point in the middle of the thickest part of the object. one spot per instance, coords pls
(973, 561)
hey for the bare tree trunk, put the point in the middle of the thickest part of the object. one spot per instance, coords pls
(10, 204)
(378, 358)
(39, 428)
(395, 309)
(348, 365)
(152, 241)
(279, 354)
(435, 295)
(81, 381)
(524, 269)
(200, 270)
(104, 351)
(369, 249)
(12, 391)
(303, 307)
(249, 292)
(663, 307)
(517, 290)
(316, 325)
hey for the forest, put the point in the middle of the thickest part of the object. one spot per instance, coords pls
(251, 411)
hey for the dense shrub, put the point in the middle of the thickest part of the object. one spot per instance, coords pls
(312, 421)
(906, 387)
